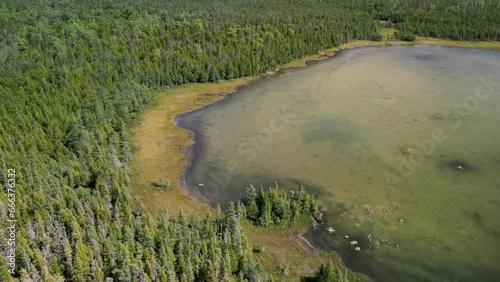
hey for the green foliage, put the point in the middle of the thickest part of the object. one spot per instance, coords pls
(447, 19)
(282, 271)
(329, 273)
(259, 248)
(278, 206)
(376, 37)
(74, 74)
(405, 36)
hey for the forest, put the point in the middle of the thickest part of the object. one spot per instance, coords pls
(75, 74)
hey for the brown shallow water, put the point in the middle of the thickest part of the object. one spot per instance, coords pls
(338, 127)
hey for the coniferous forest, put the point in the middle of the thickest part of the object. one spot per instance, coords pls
(75, 74)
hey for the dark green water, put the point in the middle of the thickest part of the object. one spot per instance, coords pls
(338, 127)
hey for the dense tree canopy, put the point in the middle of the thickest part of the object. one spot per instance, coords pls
(448, 19)
(278, 207)
(73, 74)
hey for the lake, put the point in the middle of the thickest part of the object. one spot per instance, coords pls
(400, 145)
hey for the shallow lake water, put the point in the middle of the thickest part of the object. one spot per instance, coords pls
(339, 127)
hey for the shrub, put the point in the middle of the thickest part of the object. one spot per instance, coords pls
(405, 36)
(376, 37)
(161, 183)
(258, 248)
(282, 271)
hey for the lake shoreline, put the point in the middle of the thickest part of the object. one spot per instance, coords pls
(179, 141)
(303, 62)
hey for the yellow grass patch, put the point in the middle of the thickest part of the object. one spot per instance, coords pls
(281, 247)
(161, 146)
(470, 44)
(387, 33)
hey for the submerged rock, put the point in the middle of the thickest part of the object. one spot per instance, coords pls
(314, 223)
(369, 237)
(407, 150)
(461, 165)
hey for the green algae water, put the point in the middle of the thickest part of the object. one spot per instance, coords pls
(400, 144)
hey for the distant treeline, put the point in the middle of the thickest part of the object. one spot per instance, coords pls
(447, 19)
(74, 74)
